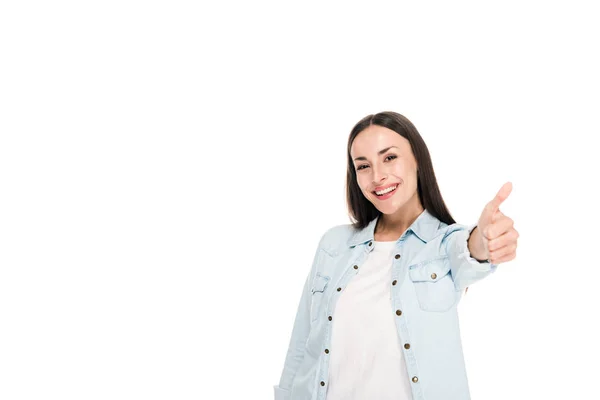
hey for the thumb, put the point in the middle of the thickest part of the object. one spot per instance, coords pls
(502, 194)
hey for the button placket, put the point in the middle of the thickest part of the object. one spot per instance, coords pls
(348, 275)
(410, 358)
(397, 256)
(403, 332)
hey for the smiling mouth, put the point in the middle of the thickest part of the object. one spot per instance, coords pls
(389, 190)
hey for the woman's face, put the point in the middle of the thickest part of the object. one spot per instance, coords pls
(383, 159)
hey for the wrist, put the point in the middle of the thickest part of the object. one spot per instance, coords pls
(476, 245)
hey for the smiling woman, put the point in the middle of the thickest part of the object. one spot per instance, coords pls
(386, 150)
(403, 258)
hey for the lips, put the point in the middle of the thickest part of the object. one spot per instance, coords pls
(380, 188)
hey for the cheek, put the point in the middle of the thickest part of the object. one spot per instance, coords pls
(362, 183)
(400, 169)
(404, 172)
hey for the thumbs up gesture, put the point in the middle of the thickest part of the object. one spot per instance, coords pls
(495, 238)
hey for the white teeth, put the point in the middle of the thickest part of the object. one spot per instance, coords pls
(386, 190)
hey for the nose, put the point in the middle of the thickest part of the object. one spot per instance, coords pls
(379, 175)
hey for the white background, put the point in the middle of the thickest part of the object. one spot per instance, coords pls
(167, 169)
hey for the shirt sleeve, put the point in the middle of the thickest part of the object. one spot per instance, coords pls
(466, 270)
(300, 332)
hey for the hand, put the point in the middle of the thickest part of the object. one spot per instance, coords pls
(497, 234)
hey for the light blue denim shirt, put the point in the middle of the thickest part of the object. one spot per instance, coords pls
(431, 266)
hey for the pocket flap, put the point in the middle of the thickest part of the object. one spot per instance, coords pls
(429, 271)
(319, 283)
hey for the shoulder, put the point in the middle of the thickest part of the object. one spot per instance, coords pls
(334, 239)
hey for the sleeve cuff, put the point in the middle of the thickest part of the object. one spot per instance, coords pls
(465, 254)
(281, 394)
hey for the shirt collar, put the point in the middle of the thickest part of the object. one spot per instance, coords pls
(425, 227)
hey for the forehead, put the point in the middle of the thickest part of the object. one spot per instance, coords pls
(368, 142)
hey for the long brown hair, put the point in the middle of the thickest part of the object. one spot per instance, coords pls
(360, 209)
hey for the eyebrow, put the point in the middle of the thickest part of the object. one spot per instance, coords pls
(380, 152)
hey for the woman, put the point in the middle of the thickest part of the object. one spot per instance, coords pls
(378, 314)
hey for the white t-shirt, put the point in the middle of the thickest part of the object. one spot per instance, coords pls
(366, 356)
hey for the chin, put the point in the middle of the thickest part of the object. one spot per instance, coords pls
(389, 211)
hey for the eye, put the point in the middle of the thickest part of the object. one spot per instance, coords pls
(392, 156)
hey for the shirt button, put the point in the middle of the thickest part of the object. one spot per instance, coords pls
(433, 276)
(407, 346)
(397, 256)
(395, 281)
(414, 379)
(356, 267)
(326, 351)
(323, 383)
(339, 289)
(398, 312)
(370, 243)
(330, 318)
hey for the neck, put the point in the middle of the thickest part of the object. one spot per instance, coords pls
(396, 224)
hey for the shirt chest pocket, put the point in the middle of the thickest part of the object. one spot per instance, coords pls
(433, 284)
(318, 290)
